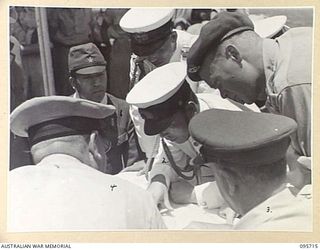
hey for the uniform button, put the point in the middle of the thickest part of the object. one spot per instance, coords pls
(196, 144)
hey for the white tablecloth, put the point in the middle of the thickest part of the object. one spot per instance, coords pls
(183, 214)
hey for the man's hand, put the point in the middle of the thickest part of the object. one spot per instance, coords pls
(300, 169)
(159, 193)
(182, 192)
(228, 214)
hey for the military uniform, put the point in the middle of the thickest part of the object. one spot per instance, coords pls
(118, 129)
(61, 192)
(138, 69)
(239, 145)
(183, 153)
(180, 153)
(149, 29)
(147, 36)
(288, 71)
(269, 215)
(67, 27)
(287, 65)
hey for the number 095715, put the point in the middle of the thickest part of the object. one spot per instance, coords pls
(308, 245)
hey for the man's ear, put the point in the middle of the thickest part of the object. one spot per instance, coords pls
(232, 52)
(93, 145)
(191, 109)
(73, 82)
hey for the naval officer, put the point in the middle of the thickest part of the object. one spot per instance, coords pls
(64, 191)
(154, 43)
(166, 105)
(247, 154)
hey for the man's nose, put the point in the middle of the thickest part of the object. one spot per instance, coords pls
(95, 82)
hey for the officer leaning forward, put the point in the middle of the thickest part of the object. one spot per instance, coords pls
(154, 43)
(247, 153)
(230, 56)
(64, 191)
(166, 105)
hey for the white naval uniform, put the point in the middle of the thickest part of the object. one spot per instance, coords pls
(62, 194)
(281, 212)
(182, 153)
(150, 144)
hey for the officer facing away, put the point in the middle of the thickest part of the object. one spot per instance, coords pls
(247, 153)
(64, 191)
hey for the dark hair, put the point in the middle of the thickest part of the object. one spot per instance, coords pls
(187, 94)
(264, 174)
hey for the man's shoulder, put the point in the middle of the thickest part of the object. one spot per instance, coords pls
(295, 58)
(296, 33)
(117, 102)
(22, 172)
(61, 176)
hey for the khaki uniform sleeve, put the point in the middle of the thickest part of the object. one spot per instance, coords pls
(295, 102)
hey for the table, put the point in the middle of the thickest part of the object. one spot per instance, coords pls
(182, 214)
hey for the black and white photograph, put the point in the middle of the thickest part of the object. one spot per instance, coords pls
(160, 119)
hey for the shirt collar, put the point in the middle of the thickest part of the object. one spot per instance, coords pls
(76, 94)
(263, 212)
(104, 99)
(59, 158)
